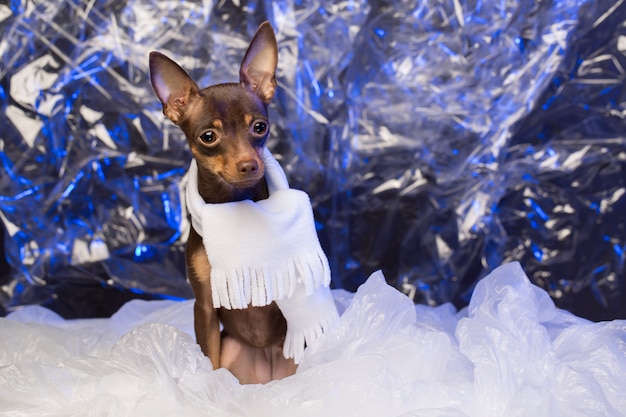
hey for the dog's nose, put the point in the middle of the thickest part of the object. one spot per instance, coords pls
(247, 168)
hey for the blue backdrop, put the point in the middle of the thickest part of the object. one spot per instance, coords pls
(438, 139)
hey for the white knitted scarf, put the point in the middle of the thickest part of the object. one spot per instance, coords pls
(267, 251)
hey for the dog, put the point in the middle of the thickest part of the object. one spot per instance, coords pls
(227, 127)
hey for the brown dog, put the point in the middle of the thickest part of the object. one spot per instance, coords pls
(227, 127)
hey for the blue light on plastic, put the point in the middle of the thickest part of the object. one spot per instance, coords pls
(542, 214)
(157, 296)
(599, 269)
(618, 250)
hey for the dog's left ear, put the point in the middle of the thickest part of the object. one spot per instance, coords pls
(258, 68)
(172, 85)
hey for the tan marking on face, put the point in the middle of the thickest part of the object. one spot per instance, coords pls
(217, 124)
(248, 119)
(217, 164)
(194, 108)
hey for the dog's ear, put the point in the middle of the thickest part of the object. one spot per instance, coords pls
(172, 85)
(258, 68)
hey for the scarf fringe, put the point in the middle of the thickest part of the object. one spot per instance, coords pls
(244, 286)
(297, 339)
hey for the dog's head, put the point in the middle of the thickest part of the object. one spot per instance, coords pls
(226, 125)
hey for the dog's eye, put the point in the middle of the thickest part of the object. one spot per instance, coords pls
(259, 128)
(208, 137)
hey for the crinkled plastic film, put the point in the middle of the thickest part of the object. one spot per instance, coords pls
(511, 352)
(437, 139)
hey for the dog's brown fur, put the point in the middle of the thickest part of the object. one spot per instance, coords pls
(224, 125)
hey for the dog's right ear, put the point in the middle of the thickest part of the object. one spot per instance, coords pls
(258, 68)
(172, 85)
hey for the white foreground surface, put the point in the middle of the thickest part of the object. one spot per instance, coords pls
(511, 353)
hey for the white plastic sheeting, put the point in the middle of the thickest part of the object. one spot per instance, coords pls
(511, 352)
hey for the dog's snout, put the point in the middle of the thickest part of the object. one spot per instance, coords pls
(247, 168)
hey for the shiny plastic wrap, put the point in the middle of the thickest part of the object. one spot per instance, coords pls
(437, 140)
(510, 353)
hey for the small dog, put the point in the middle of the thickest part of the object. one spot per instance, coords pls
(227, 127)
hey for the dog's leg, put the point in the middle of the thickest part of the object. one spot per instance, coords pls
(281, 367)
(206, 322)
(244, 361)
(254, 365)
